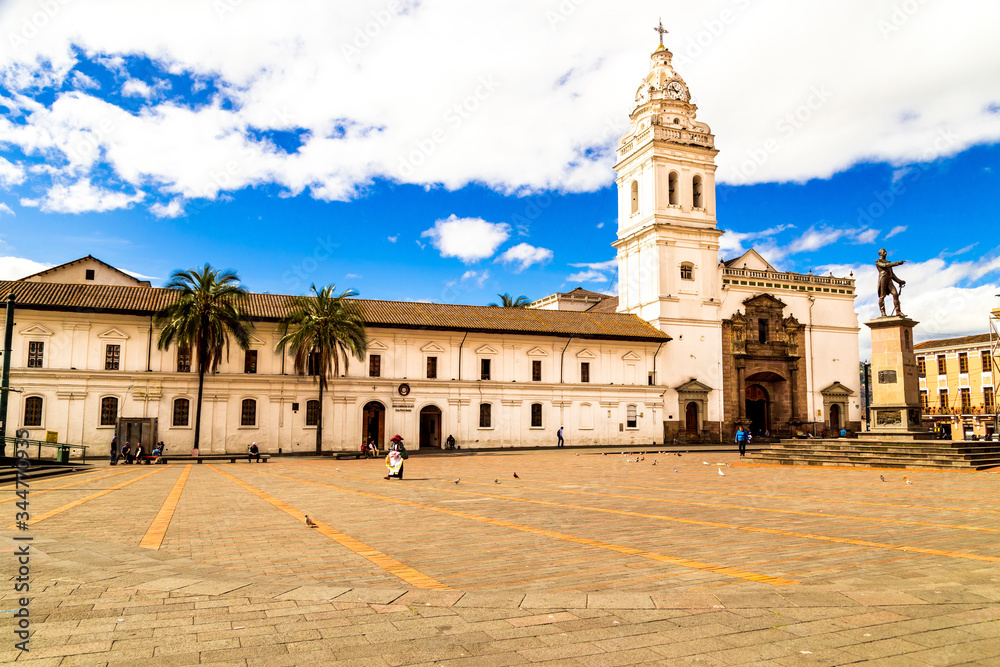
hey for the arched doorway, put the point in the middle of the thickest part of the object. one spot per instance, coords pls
(373, 423)
(835, 418)
(691, 418)
(758, 409)
(430, 426)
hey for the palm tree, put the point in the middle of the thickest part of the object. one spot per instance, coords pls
(324, 328)
(507, 301)
(206, 313)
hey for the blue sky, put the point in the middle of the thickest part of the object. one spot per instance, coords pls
(440, 151)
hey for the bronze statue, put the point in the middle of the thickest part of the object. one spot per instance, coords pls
(886, 283)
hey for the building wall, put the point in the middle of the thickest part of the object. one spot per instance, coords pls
(72, 381)
(979, 380)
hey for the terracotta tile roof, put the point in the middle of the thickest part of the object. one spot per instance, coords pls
(953, 342)
(145, 301)
(43, 272)
(608, 305)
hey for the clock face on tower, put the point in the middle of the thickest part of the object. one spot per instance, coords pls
(675, 90)
(642, 95)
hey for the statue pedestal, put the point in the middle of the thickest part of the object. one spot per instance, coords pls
(895, 408)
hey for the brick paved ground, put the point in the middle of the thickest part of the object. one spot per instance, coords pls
(585, 560)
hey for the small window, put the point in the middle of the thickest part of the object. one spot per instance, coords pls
(963, 362)
(375, 366)
(697, 200)
(184, 360)
(109, 411)
(924, 400)
(312, 413)
(36, 354)
(687, 271)
(33, 411)
(182, 412)
(112, 357)
(943, 398)
(988, 399)
(673, 195)
(585, 371)
(536, 415)
(762, 330)
(250, 362)
(485, 415)
(248, 412)
(630, 417)
(966, 395)
(312, 364)
(922, 367)
(942, 364)
(536, 370)
(432, 368)
(635, 197)
(484, 369)
(90, 274)
(987, 363)
(650, 378)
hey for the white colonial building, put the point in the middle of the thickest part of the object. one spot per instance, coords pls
(692, 347)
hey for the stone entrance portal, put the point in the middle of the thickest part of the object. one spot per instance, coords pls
(758, 409)
(430, 426)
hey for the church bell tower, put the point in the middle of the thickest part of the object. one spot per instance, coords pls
(668, 243)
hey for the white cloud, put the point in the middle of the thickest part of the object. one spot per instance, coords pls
(589, 276)
(350, 276)
(477, 278)
(898, 229)
(731, 244)
(393, 239)
(598, 266)
(594, 272)
(15, 268)
(545, 115)
(81, 197)
(524, 255)
(10, 173)
(81, 80)
(468, 239)
(172, 209)
(4, 209)
(140, 276)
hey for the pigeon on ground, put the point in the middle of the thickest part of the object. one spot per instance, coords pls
(643, 458)
(338, 469)
(654, 462)
(310, 522)
(722, 473)
(516, 477)
(578, 453)
(882, 477)
(675, 469)
(496, 481)
(705, 462)
(907, 480)
(458, 480)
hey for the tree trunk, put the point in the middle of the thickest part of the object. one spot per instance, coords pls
(319, 422)
(197, 414)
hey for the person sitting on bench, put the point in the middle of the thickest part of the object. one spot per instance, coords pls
(253, 452)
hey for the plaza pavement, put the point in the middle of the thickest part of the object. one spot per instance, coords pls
(587, 559)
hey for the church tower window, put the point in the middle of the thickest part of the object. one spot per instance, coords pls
(673, 194)
(697, 200)
(635, 197)
(687, 271)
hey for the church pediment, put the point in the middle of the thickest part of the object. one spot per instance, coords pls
(485, 349)
(256, 341)
(631, 356)
(114, 333)
(376, 345)
(585, 354)
(692, 386)
(432, 347)
(837, 389)
(751, 260)
(763, 301)
(537, 352)
(36, 330)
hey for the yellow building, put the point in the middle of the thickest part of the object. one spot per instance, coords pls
(958, 390)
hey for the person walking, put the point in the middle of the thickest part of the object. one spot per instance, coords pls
(114, 451)
(140, 454)
(741, 440)
(254, 451)
(560, 442)
(395, 457)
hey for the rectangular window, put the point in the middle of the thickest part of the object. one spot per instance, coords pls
(942, 364)
(963, 362)
(966, 395)
(485, 415)
(375, 366)
(762, 330)
(250, 361)
(942, 398)
(536, 415)
(109, 411)
(182, 410)
(924, 400)
(651, 378)
(183, 360)
(36, 354)
(536, 370)
(484, 369)
(630, 418)
(312, 413)
(312, 364)
(687, 272)
(585, 371)
(987, 363)
(89, 275)
(112, 357)
(248, 413)
(921, 367)
(989, 399)
(432, 368)
(33, 411)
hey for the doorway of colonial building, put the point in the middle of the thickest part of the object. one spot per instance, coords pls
(835, 418)
(136, 431)
(758, 404)
(691, 418)
(373, 423)
(430, 426)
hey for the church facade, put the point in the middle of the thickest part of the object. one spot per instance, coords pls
(692, 347)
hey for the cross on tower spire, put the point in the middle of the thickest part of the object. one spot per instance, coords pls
(663, 31)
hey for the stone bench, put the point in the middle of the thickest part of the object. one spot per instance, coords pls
(209, 457)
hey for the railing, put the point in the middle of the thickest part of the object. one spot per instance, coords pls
(59, 448)
(788, 277)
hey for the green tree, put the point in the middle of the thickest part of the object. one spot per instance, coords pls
(507, 301)
(325, 328)
(206, 313)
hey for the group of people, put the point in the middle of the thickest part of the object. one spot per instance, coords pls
(127, 455)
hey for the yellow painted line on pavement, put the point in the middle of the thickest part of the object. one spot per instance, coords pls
(34, 491)
(628, 551)
(154, 534)
(81, 501)
(384, 561)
